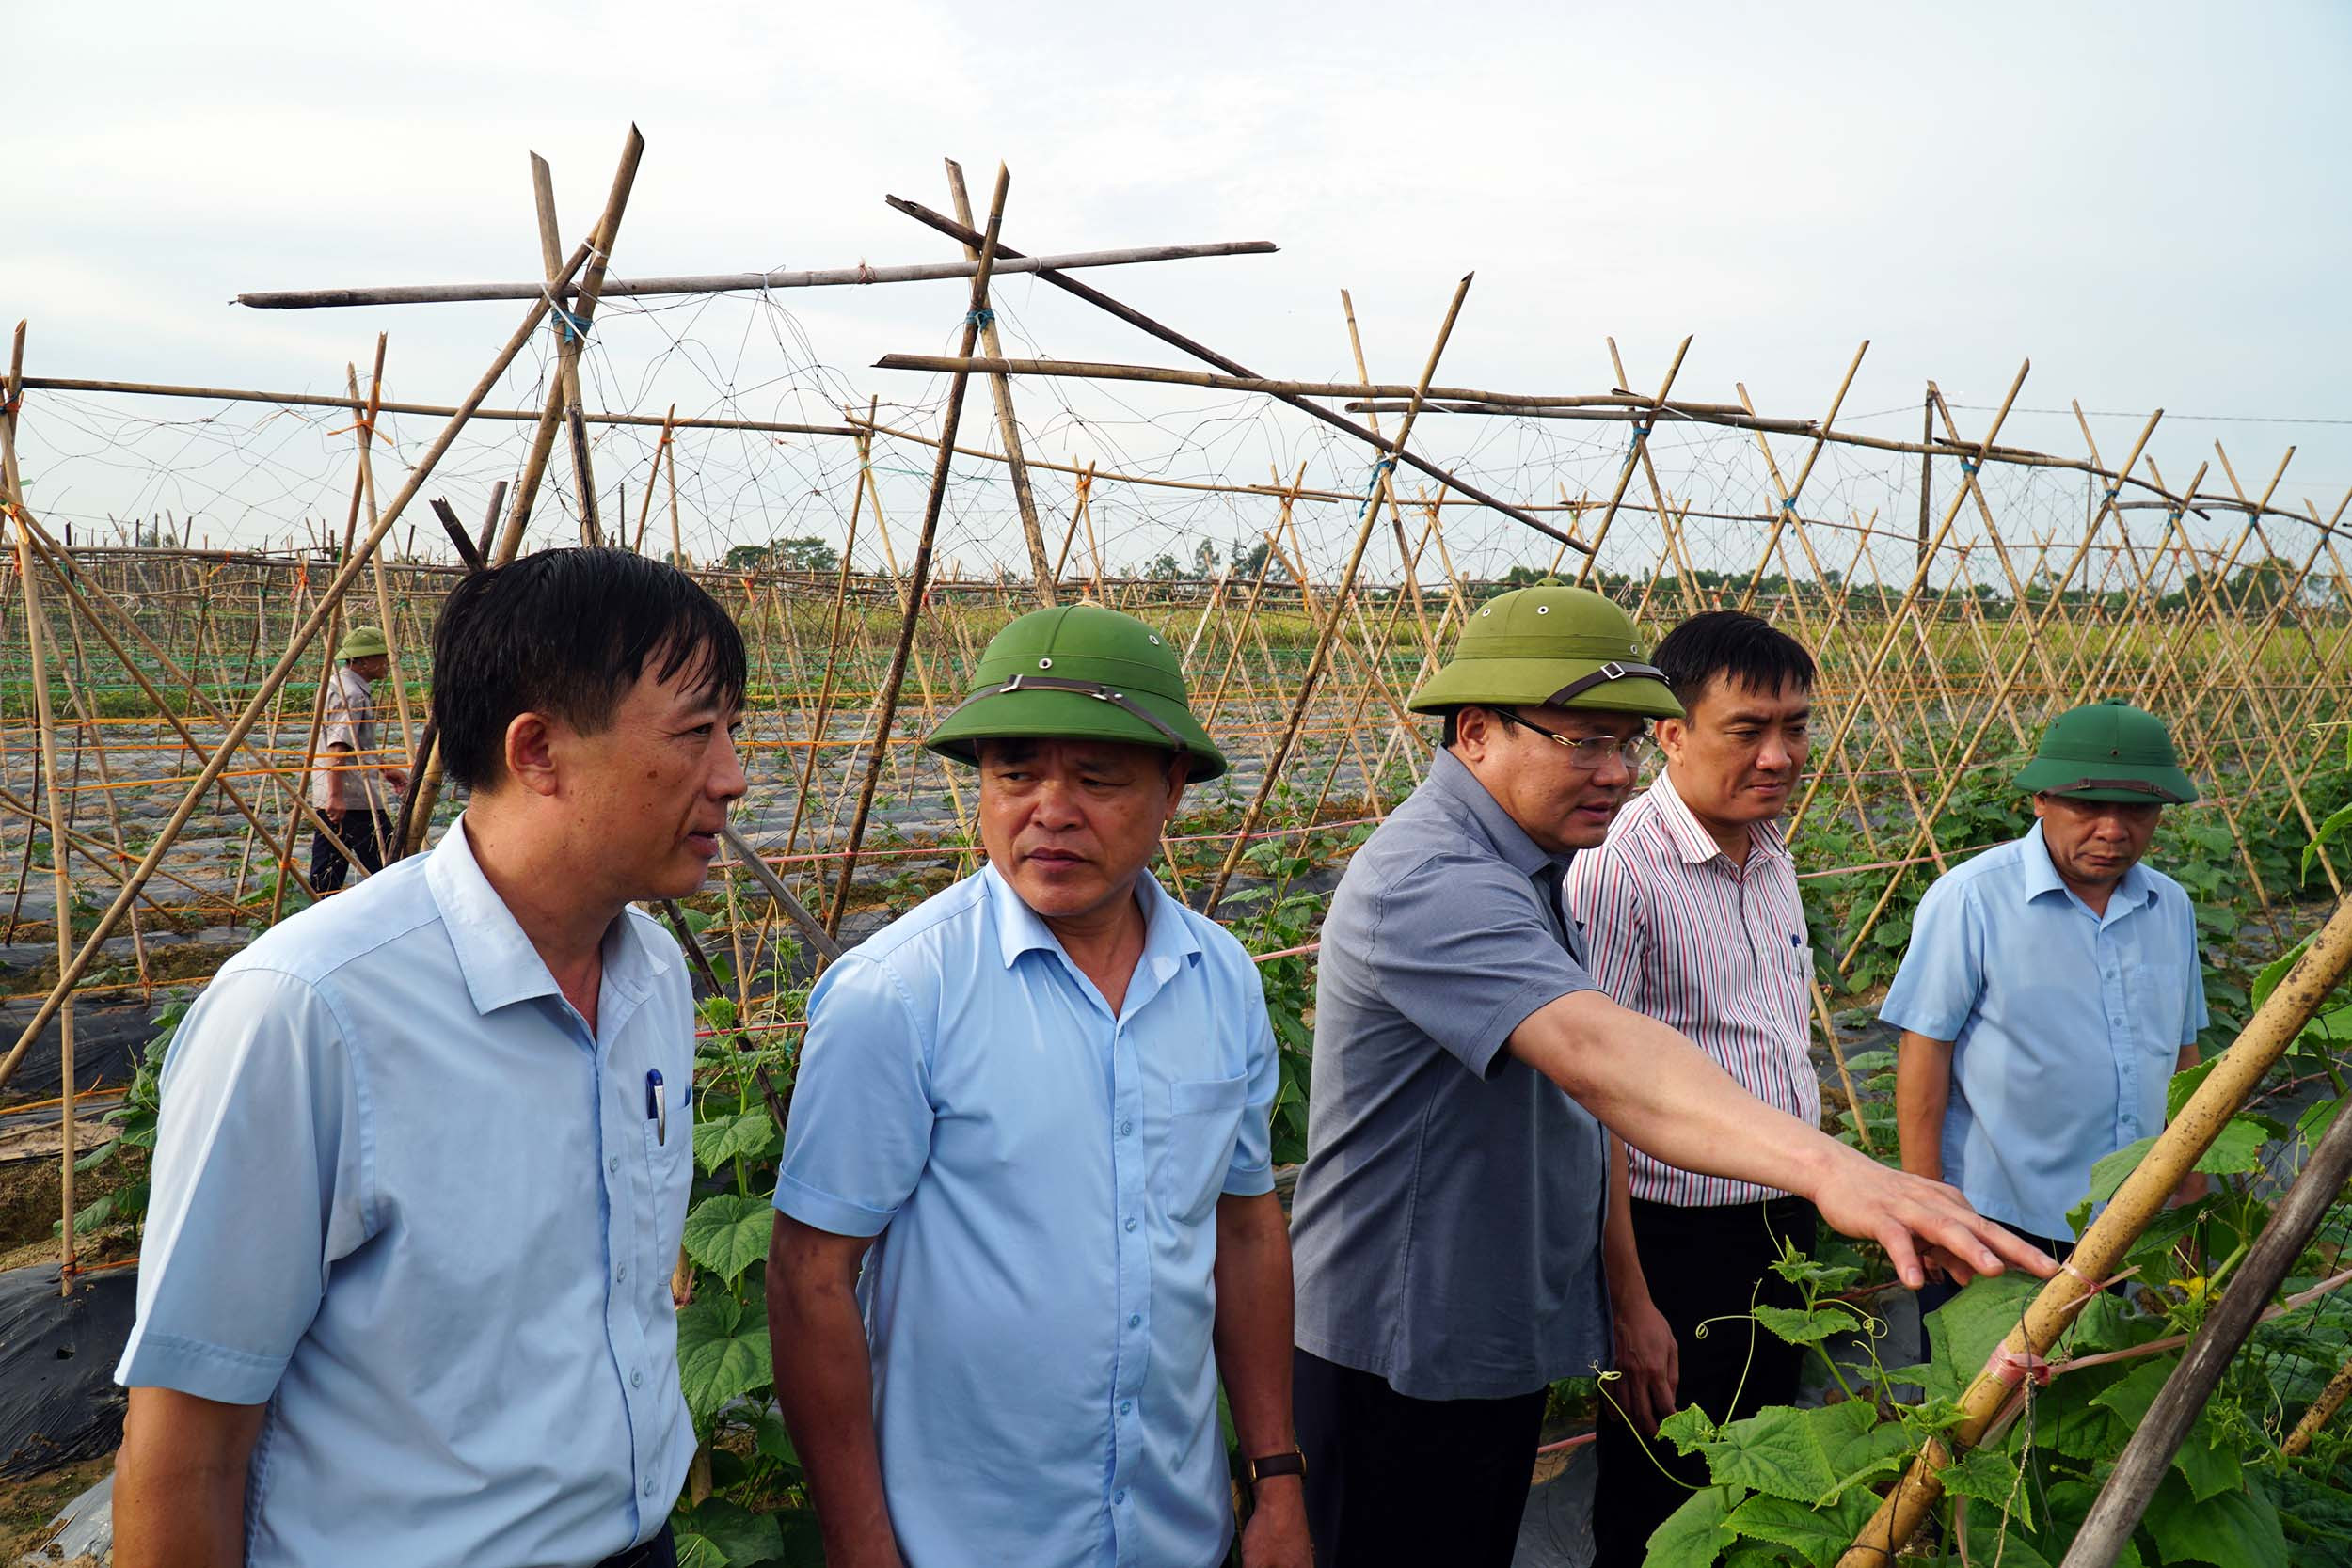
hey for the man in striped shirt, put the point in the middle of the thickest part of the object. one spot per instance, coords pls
(1690, 913)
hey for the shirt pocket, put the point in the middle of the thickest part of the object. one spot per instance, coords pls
(1203, 1119)
(669, 1177)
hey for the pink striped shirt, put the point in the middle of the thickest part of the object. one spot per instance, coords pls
(1673, 929)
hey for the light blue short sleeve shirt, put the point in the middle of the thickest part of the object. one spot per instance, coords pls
(1043, 1176)
(404, 1197)
(2065, 1025)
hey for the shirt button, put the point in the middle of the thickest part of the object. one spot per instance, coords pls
(636, 1379)
(1131, 1222)
(1119, 1497)
(649, 1486)
(1125, 1405)
(1125, 1128)
(621, 1272)
(1134, 1321)
(613, 1163)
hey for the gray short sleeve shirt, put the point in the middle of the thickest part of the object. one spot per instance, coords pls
(1446, 1233)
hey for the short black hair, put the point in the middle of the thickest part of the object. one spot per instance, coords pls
(1746, 650)
(567, 632)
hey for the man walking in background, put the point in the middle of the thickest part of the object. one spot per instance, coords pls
(1691, 915)
(2052, 987)
(349, 789)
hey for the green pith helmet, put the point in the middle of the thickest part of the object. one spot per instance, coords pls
(1078, 672)
(360, 643)
(1550, 645)
(2108, 750)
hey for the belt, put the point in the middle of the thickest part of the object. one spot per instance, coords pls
(659, 1552)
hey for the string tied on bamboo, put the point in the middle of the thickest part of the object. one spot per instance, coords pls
(1970, 466)
(574, 329)
(1641, 433)
(982, 318)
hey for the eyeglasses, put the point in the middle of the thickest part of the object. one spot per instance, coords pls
(1592, 753)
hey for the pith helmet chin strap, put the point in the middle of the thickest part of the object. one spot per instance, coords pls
(1602, 676)
(2135, 786)
(1095, 689)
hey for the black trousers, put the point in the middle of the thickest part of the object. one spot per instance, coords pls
(661, 1552)
(366, 832)
(1700, 1264)
(1415, 1483)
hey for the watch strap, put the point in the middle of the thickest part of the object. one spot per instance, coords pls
(1291, 1464)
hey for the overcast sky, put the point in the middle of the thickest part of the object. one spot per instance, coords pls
(2146, 199)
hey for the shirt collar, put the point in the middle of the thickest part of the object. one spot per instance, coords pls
(1166, 935)
(1451, 777)
(2135, 890)
(1691, 840)
(500, 965)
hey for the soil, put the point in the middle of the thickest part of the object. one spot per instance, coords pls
(27, 1506)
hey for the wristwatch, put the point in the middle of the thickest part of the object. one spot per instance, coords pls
(1291, 1464)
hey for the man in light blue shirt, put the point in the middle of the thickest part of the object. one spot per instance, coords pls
(2052, 986)
(424, 1148)
(1035, 1109)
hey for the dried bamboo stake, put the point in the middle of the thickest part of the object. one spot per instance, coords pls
(2234, 1075)
(1625, 473)
(591, 285)
(572, 337)
(833, 644)
(84, 716)
(1384, 475)
(364, 431)
(1788, 494)
(345, 576)
(919, 578)
(1007, 428)
(2321, 1409)
(61, 883)
(2148, 1455)
(645, 509)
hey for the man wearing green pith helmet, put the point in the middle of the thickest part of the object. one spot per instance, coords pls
(348, 786)
(1025, 1221)
(2052, 987)
(1448, 1225)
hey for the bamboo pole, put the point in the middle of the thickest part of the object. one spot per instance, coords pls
(2233, 1076)
(919, 577)
(572, 337)
(575, 324)
(1625, 473)
(364, 431)
(345, 576)
(921, 213)
(1384, 476)
(61, 881)
(732, 282)
(2148, 1455)
(1007, 428)
(2321, 1409)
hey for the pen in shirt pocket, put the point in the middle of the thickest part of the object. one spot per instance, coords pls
(657, 1105)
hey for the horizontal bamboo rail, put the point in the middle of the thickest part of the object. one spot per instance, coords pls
(733, 282)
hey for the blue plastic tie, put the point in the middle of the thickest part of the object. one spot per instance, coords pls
(574, 329)
(1639, 432)
(1966, 467)
(1787, 503)
(2111, 495)
(983, 317)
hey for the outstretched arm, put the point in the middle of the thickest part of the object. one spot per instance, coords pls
(1663, 1094)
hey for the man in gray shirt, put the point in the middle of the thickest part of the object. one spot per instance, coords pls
(1447, 1229)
